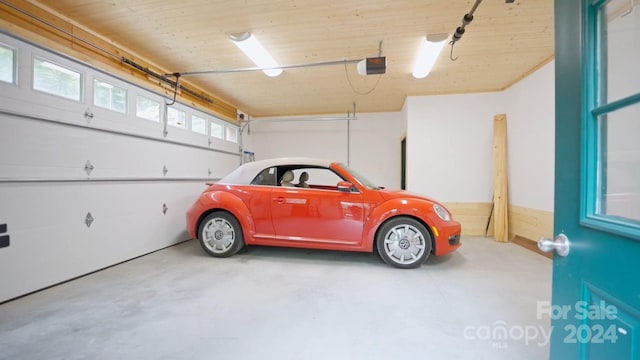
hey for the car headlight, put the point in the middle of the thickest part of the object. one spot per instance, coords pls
(441, 212)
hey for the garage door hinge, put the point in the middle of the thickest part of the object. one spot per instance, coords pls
(88, 220)
(209, 142)
(164, 209)
(88, 115)
(4, 236)
(165, 170)
(209, 171)
(88, 167)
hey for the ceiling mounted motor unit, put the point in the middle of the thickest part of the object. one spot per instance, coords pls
(372, 66)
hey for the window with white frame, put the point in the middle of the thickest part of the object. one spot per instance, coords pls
(217, 130)
(109, 96)
(7, 64)
(232, 134)
(57, 80)
(198, 125)
(147, 108)
(176, 117)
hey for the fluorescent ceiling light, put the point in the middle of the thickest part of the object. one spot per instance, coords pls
(427, 54)
(256, 52)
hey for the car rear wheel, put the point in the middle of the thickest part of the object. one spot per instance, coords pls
(403, 242)
(220, 234)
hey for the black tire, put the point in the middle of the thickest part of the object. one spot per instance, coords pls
(220, 234)
(403, 242)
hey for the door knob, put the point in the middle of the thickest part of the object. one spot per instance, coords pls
(560, 244)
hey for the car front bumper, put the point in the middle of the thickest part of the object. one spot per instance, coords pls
(447, 237)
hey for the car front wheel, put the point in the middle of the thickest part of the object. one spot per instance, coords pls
(403, 242)
(220, 234)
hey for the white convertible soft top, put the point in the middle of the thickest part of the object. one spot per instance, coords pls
(247, 172)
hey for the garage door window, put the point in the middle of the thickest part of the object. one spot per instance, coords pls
(109, 96)
(198, 125)
(7, 64)
(56, 79)
(176, 117)
(216, 130)
(232, 134)
(147, 109)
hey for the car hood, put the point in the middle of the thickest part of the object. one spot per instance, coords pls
(401, 194)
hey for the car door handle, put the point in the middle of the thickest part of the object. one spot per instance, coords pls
(278, 200)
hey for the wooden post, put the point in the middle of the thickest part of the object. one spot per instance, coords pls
(500, 179)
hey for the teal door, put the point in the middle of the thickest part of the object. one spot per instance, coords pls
(595, 307)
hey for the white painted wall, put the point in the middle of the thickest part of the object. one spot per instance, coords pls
(294, 136)
(375, 147)
(45, 192)
(373, 142)
(530, 109)
(450, 145)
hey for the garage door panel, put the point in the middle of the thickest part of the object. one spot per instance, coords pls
(46, 193)
(50, 241)
(39, 149)
(32, 149)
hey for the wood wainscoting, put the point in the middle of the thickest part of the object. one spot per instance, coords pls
(530, 223)
(526, 225)
(472, 216)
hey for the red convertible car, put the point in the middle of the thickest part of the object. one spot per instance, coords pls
(319, 204)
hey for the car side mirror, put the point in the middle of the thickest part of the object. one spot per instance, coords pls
(345, 186)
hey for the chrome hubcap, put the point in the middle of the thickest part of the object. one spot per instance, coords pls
(218, 235)
(404, 244)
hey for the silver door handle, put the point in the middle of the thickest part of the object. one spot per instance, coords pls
(560, 244)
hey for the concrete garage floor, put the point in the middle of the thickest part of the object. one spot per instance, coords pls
(272, 303)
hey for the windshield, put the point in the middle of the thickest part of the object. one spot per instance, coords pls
(361, 179)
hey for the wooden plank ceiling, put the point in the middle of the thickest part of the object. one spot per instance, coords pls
(503, 44)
